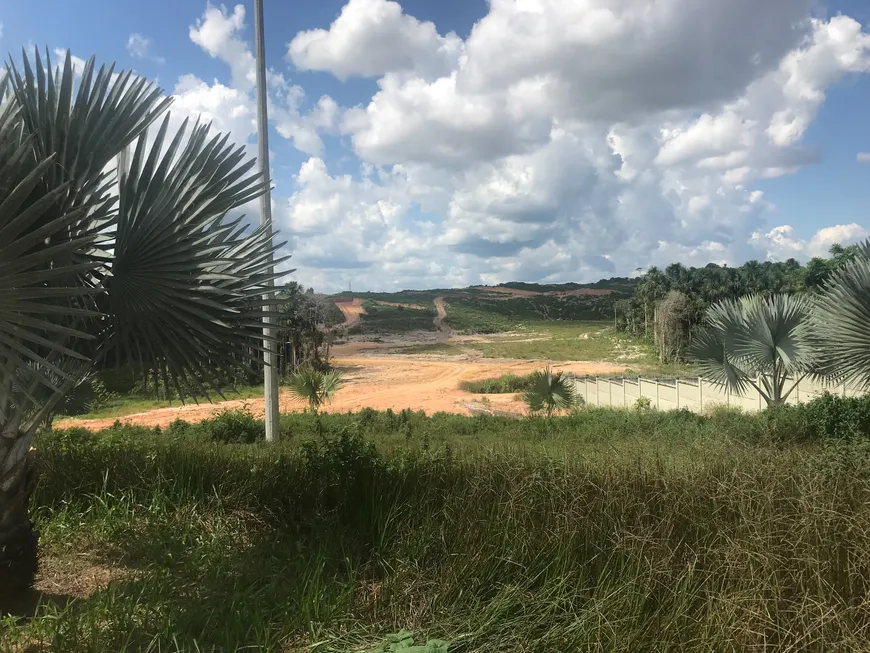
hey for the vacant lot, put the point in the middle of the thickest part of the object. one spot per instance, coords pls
(423, 370)
(379, 382)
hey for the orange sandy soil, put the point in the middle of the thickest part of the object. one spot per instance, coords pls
(376, 378)
(352, 310)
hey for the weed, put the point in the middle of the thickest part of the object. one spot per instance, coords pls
(602, 530)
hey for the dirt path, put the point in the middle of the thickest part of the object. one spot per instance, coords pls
(444, 331)
(352, 311)
(382, 382)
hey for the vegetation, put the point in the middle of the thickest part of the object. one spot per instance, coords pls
(313, 386)
(120, 405)
(503, 384)
(431, 348)
(563, 341)
(842, 319)
(117, 251)
(763, 342)
(550, 392)
(305, 322)
(703, 287)
(772, 342)
(740, 532)
(465, 317)
(381, 318)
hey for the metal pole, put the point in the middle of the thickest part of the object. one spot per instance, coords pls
(270, 369)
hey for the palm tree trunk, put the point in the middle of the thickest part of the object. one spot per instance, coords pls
(18, 539)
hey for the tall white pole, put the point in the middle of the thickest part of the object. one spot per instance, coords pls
(270, 371)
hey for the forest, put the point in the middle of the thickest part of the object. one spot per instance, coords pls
(669, 305)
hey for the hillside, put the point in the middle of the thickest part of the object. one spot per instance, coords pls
(489, 309)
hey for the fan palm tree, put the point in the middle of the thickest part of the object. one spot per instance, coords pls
(101, 264)
(314, 386)
(842, 319)
(756, 341)
(549, 391)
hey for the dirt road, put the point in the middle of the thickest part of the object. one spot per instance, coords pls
(352, 310)
(380, 382)
(444, 331)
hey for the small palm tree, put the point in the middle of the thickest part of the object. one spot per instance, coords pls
(550, 391)
(314, 386)
(762, 342)
(842, 319)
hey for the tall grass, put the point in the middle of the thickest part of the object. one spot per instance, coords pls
(603, 531)
(498, 385)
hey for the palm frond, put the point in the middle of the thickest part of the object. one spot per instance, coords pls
(313, 386)
(843, 321)
(775, 333)
(716, 362)
(550, 391)
(186, 286)
(41, 305)
(84, 125)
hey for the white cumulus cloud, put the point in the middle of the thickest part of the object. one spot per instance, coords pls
(558, 141)
(374, 37)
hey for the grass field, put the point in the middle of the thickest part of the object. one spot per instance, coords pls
(603, 531)
(578, 341)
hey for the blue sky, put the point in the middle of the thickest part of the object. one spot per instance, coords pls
(451, 142)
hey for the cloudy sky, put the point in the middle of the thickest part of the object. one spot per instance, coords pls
(439, 143)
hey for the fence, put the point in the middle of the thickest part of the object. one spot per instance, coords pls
(691, 393)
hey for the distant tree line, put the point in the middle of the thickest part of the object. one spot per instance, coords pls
(668, 305)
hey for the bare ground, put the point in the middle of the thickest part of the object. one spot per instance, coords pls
(379, 376)
(352, 310)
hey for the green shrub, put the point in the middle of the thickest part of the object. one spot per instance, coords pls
(237, 425)
(498, 385)
(786, 423)
(833, 416)
(403, 642)
(642, 403)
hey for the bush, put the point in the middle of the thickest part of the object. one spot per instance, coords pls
(498, 385)
(788, 423)
(833, 416)
(238, 426)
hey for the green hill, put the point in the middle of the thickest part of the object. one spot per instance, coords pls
(490, 309)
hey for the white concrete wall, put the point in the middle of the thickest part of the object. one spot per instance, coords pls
(692, 394)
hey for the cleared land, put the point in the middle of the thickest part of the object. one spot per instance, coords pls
(352, 310)
(423, 370)
(379, 382)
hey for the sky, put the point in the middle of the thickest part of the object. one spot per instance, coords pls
(447, 143)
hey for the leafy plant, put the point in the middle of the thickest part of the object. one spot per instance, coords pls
(842, 320)
(550, 391)
(642, 403)
(763, 342)
(314, 386)
(499, 385)
(832, 416)
(101, 396)
(237, 425)
(115, 251)
(404, 641)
